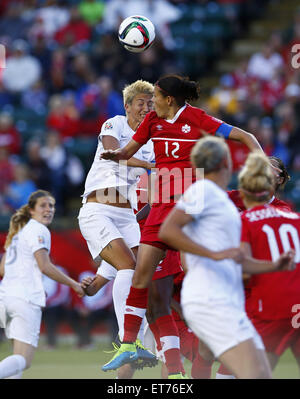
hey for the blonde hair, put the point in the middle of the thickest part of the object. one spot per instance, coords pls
(138, 87)
(208, 153)
(256, 179)
(22, 216)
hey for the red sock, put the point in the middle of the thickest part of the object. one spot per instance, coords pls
(201, 368)
(170, 344)
(155, 331)
(135, 310)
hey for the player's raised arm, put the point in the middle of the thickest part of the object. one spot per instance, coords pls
(246, 138)
(122, 153)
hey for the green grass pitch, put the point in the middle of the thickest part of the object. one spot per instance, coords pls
(68, 362)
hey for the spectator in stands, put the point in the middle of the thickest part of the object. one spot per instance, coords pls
(42, 52)
(9, 135)
(223, 100)
(22, 69)
(6, 177)
(35, 98)
(19, 190)
(80, 73)
(53, 16)
(264, 63)
(5, 96)
(39, 171)
(109, 101)
(66, 170)
(75, 31)
(91, 119)
(266, 136)
(63, 115)
(91, 11)
(13, 23)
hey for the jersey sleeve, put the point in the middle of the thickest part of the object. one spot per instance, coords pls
(142, 135)
(245, 233)
(212, 125)
(39, 238)
(111, 128)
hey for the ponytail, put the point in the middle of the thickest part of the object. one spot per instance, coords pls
(18, 220)
(256, 179)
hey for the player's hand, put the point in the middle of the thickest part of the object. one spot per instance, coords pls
(232, 253)
(78, 289)
(286, 262)
(85, 282)
(110, 155)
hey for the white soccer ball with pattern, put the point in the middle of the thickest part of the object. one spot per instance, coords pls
(136, 33)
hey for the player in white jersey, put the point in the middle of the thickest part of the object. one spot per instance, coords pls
(106, 218)
(212, 296)
(22, 295)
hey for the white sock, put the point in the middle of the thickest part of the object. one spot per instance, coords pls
(141, 332)
(120, 293)
(12, 365)
(224, 377)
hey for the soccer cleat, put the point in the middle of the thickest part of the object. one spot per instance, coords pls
(145, 357)
(178, 376)
(126, 353)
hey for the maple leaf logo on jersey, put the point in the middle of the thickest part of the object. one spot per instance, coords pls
(186, 128)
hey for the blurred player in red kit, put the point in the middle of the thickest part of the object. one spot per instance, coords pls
(268, 231)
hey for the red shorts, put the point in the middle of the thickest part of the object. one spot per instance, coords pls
(157, 215)
(278, 335)
(168, 266)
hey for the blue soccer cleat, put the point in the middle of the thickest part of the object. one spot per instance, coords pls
(145, 357)
(126, 353)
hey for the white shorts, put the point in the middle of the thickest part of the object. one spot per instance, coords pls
(100, 224)
(220, 326)
(21, 320)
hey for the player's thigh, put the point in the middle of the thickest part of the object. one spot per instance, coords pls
(246, 361)
(147, 259)
(118, 254)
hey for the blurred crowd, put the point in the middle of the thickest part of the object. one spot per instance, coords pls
(65, 71)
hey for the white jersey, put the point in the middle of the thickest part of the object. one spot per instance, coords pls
(22, 276)
(216, 225)
(106, 173)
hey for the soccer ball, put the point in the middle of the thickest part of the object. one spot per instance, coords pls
(136, 33)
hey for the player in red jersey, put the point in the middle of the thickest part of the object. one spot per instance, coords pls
(267, 231)
(282, 177)
(174, 128)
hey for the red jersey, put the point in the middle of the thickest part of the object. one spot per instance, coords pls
(271, 231)
(235, 197)
(173, 141)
